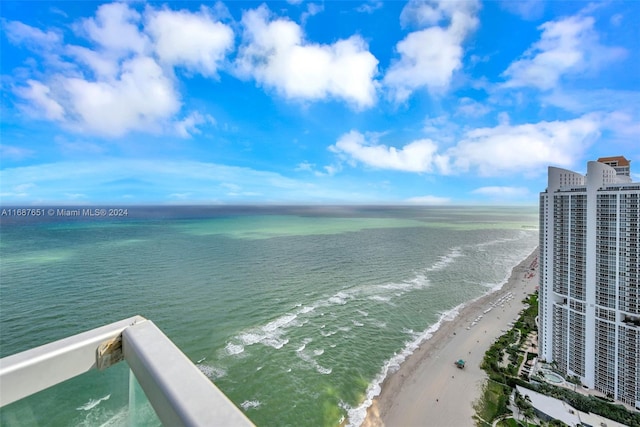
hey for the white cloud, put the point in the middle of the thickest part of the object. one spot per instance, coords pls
(120, 78)
(329, 170)
(193, 40)
(471, 108)
(75, 196)
(582, 101)
(428, 200)
(181, 196)
(81, 148)
(19, 33)
(305, 167)
(616, 19)
(276, 55)
(526, 9)
(568, 46)
(24, 187)
(140, 99)
(41, 98)
(501, 150)
(312, 10)
(189, 125)
(370, 6)
(441, 128)
(14, 153)
(102, 64)
(524, 148)
(18, 191)
(502, 192)
(624, 125)
(162, 180)
(116, 29)
(417, 156)
(429, 57)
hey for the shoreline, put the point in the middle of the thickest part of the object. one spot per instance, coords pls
(427, 388)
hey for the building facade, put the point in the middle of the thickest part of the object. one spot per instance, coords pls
(589, 296)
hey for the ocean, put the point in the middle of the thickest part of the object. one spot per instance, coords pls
(296, 313)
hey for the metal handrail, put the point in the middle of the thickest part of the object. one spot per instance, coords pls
(179, 392)
(31, 371)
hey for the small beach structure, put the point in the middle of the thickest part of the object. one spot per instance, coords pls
(460, 363)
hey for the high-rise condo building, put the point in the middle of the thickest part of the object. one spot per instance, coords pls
(589, 309)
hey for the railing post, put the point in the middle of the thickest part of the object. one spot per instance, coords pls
(180, 394)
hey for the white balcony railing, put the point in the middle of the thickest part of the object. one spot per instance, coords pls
(179, 393)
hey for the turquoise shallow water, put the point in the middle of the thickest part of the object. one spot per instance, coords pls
(295, 313)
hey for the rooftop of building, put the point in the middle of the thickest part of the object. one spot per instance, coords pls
(614, 161)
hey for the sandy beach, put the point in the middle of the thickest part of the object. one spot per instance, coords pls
(428, 389)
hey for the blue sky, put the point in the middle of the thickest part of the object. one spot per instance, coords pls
(335, 102)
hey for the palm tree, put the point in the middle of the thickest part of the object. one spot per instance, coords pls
(520, 403)
(528, 414)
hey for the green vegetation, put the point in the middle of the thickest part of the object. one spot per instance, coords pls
(503, 379)
(584, 403)
(492, 404)
(495, 395)
(510, 422)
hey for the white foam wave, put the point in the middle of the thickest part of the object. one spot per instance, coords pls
(250, 338)
(275, 342)
(409, 332)
(314, 363)
(120, 418)
(280, 322)
(418, 282)
(92, 403)
(212, 372)
(364, 313)
(357, 415)
(380, 298)
(270, 334)
(484, 245)
(309, 358)
(516, 259)
(447, 259)
(340, 298)
(233, 349)
(451, 314)
(250, 404)
(379, 324)
(356, 323)
(304, 344)
(323, 370)
(396, 286)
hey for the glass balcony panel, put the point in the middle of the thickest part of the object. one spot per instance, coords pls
(95, 398)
